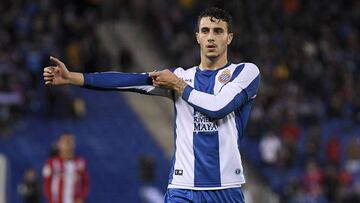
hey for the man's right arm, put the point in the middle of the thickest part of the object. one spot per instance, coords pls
(119, 81)
(76, 78)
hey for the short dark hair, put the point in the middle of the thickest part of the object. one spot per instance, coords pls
(218, 14)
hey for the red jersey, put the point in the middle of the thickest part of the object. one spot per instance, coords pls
(65, 180)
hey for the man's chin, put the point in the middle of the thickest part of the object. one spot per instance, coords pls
(212, 55)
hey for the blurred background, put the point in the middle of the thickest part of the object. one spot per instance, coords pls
(302, 142)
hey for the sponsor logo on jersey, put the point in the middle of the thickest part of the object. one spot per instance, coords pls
(178, 172)
(225, 76)
(187, 80)
(203, 123)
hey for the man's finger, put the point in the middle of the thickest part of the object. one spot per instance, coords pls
(154, 74)
(47, 74)
(49, 69)
(48, 78)
(55, 60)
(158, 83)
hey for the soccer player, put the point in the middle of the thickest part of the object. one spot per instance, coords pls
(212, 106)
(65, 175)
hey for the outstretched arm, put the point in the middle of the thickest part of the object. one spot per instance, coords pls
(134, 82)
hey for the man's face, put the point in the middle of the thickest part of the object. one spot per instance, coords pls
(213, 37)
(66, 143)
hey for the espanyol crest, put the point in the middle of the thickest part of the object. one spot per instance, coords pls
(225, 76)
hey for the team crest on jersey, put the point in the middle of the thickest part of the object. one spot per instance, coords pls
(203, 123)
(225, 76)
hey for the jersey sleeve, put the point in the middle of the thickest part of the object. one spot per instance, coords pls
(232, 96)
(119, 81)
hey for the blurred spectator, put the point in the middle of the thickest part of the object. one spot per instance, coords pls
(331, 183)
(352, 163)
(312, 145)
(11, 100)
(148, 192)
(65, 175)
(29, 189)
(295, 192)
(312, 180)
(333, 150)
(290, 133)
(61, 103)
(270, 146)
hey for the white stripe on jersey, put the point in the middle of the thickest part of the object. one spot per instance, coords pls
(69, 181)
(184, 146)
(55, 183)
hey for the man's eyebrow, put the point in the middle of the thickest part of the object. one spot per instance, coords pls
(218, 28)
(204, 28)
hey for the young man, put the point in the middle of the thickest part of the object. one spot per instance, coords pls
(212, 105)
(65, 175)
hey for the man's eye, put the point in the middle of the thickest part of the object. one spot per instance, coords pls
(204, 30)
(219, 31)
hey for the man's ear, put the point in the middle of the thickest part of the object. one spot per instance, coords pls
(197, 37)
(230, 37)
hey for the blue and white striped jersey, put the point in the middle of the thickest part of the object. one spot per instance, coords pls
(210, 118)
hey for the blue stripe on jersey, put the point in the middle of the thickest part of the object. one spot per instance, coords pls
(239, 126)
(187, 92)
(171, 174)
(206, 144)
(253, 87)
(237, 71)
(241, 119)
(207, 161)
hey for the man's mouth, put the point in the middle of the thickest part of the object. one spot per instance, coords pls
(211, 46)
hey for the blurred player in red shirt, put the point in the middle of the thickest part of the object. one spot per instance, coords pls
(65, 175)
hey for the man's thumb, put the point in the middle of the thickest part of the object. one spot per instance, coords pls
(154, 74)
(55, 60)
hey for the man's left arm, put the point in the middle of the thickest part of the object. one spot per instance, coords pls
(232, 96)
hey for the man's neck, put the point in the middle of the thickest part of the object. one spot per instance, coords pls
(212, 64)
(67, 156)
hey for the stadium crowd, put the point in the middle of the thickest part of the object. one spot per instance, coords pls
(31, 31)
(308, 53)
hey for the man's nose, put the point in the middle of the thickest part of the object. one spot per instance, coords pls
(211, 37)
